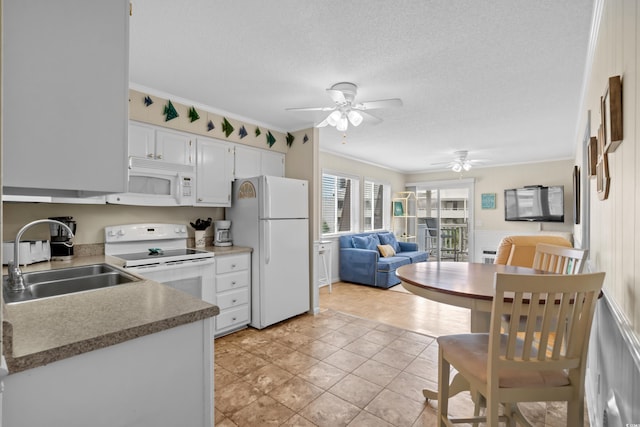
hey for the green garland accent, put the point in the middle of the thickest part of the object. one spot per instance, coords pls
(226, 127)
(290, 139)
(193, 114)
(270, 139)
(170, 112)
(258, 132)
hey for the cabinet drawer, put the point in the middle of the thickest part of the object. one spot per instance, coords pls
(237, 280)
(235, 316)
(232, 298)
(229, 263)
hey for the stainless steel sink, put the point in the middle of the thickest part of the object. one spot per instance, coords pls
(50, 283)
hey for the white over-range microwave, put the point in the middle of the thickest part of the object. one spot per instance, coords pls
(157, 183)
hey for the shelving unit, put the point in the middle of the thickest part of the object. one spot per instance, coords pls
(404, 221)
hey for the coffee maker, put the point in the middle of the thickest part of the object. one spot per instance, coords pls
(222, 233)
(61, 244)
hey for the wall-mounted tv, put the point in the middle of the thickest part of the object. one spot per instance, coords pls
(534, 203)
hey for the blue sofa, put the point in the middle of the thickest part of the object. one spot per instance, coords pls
(361, 262)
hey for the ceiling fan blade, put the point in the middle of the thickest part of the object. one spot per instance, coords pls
(337, 96)
(370, 117)
(322, 124)
(311, 109)
(382, 103)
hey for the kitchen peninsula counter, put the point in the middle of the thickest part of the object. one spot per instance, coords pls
(43, 331)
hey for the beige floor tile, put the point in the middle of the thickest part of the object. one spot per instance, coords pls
(296, 362)
(337, 338)
(298, 421)
(380, 337)
(411, 386)
(322, 375)
(268, 377)
(345, 360)
(318, 349)
(364, 347)
(294, 340)
(394, 358)
(376, 372)
(296, 393)
(356, 390)
(408, 346)
(365, 419)
(263, 412)
(240, 363)
(329, 410)
(395, 408)
(271, 351)
(235, 397)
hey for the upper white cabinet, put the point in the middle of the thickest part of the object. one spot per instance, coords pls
(65, 97)
(149, 142)
(255, 162)
(214, 172)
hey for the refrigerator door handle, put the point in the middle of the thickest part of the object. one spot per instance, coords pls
(267, 198)
(267, 242)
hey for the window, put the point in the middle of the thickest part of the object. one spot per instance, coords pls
(339, 197)
(376, 196)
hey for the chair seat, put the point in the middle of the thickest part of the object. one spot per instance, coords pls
(471, 351)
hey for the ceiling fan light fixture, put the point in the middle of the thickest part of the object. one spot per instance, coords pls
(333, 118)
(342, 123)
(355, 118)
(466, 165)
(457, 167)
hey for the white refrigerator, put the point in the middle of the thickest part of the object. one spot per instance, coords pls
(271, 215)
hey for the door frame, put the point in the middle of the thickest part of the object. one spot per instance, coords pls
(469, 184)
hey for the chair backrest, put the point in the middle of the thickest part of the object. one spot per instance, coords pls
(432, 226)
(520, 250)
(559, 259)
(564, 303)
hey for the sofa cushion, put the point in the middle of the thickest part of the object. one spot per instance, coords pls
(391, 263)
(414, 256)
(370, 242)
(386, 250)
(389, 239)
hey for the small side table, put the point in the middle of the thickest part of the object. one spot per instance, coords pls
(324, 259)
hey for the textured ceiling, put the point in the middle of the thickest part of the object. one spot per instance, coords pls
(499, 78)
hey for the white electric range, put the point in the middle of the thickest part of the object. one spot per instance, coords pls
(159, 252)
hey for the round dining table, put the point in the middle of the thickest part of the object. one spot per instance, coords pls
(462, 284)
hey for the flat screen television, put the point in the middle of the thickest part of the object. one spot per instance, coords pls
(534, 203)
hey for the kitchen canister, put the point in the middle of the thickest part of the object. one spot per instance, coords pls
(200, 240)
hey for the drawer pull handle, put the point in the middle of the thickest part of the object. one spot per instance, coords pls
(233, 266)
(233, 283)
(233, 319)
(233, 301)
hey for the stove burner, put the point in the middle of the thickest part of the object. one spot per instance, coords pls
(155, 251)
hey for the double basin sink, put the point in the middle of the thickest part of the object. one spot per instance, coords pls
(50, 283)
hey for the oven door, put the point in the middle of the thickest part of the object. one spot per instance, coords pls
(194, 277)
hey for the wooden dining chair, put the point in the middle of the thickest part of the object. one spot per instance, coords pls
(559, 259)
(506, 368)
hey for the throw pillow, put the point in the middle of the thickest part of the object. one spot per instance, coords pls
(360, 242)
(373, 242)
(389, 239)
(386, 251)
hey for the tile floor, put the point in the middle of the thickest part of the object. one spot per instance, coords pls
(362, 361)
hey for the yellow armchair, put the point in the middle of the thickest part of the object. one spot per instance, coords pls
(520, 250)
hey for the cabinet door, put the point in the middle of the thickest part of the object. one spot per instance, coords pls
(142, 141)
(272, 163)
(173, 147)
(65, 89)
(214, 172)
(247, 162)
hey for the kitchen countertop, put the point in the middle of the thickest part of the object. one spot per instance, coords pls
(40, 332)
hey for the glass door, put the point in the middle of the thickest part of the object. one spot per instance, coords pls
(444, 211)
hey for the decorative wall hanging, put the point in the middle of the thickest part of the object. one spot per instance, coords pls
(258, 132)
(576, 194)
(488, 200)
(170, 111)
(305, 139)
(270, 139)
(210, 126)
(148, 101)
(242, 132)
(290, 139)
(193, 114)
(226, 127)
(592, 154)
(603, 181)
(611, 112)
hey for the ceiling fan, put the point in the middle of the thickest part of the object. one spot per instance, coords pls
(346, 110)
(461, 162)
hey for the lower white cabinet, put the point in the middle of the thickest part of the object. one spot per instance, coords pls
(233, 292)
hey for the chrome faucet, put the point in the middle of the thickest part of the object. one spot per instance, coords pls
(16, 281)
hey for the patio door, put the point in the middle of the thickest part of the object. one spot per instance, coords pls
(445, 219)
